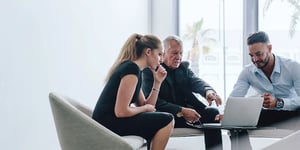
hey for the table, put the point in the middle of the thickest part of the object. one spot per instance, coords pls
(234, 130)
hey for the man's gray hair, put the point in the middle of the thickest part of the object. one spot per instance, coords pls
(168, 39)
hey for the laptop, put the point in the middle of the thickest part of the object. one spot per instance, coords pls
(240, 112)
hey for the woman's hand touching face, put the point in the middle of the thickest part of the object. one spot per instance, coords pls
(159, 73)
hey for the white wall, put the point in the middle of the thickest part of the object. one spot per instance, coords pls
(164, 20)
(65, 46)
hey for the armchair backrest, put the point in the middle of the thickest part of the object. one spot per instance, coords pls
(78, 131)
(289, 142)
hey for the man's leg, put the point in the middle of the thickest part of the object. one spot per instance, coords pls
(279, 118)
(213, 137)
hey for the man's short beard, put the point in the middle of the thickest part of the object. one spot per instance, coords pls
(266, 62)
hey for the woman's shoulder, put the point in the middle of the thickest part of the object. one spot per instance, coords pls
(129, 67)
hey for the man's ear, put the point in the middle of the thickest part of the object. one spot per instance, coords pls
(148, 51)
(270, 47)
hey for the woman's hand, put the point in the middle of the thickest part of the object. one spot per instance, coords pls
(160, 74)
(149, 108)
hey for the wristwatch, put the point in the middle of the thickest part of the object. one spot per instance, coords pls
(279, 103)
(179, 114)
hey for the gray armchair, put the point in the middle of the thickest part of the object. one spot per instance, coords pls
(289, 142)
(76, 129)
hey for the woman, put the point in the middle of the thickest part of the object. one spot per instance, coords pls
(123, 88)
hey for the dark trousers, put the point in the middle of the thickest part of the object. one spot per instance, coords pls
(212, 137)
(277, 118)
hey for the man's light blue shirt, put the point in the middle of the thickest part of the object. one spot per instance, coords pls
(285, 82)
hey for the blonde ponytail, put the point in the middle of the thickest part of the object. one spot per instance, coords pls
(133, 49)
(128, 52)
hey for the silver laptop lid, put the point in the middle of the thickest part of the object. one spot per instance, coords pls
(242, 111)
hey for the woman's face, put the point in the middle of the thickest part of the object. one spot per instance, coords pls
(155, 57)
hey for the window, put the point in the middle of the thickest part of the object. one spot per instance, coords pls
(280, 19)
(212, 37)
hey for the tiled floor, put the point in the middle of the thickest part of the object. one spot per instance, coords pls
(197, 143)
